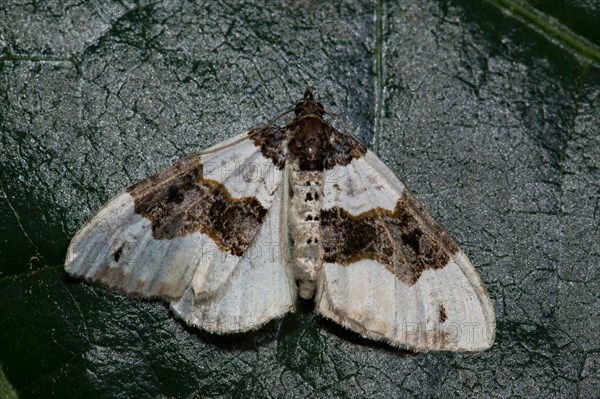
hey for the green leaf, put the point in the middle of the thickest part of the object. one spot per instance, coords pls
(489, 111)
(6, 391)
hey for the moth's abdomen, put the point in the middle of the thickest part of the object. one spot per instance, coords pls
(304, 231)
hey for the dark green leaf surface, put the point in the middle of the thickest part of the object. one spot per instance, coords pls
(490, 111)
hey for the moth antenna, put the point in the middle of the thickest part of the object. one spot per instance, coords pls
(346, 129)
(281, 115)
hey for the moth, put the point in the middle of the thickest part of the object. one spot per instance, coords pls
(231, 236)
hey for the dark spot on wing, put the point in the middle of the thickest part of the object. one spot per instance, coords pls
(180, 202)
(407, 241)
(117, 254)
(443, 315)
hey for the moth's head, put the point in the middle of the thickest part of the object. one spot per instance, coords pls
(309, 106)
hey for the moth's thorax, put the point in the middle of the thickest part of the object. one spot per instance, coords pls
(309, 141)
(304, 229)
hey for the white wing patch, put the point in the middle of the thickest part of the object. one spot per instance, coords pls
(360, 186)
(116, 248)
(242, 171)
(445, 309)
(258, 290)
